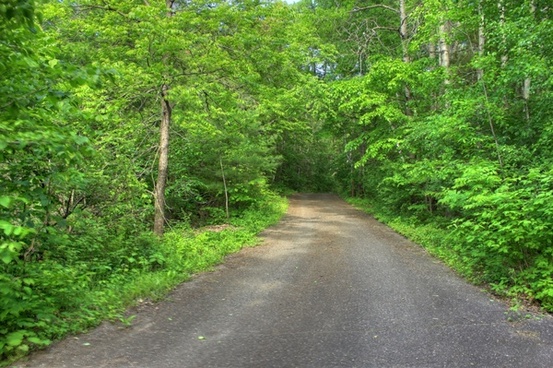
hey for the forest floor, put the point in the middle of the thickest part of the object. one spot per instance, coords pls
(328, 287)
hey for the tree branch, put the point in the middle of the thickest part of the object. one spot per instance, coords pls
(382, 6)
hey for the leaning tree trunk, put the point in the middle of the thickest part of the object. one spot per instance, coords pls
(161, 182)
(163, 166)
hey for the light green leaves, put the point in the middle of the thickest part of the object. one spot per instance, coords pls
(5, 201)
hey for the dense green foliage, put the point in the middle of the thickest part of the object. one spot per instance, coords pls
(80, 95)
(449, 128)
(437, 112)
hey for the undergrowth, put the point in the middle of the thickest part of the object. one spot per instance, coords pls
(48, 300)
(449, 245)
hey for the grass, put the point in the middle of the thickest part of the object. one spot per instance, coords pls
(440, 243)
(182, 253)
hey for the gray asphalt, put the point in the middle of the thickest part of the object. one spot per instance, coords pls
(329, 287)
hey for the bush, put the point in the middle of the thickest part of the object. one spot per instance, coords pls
(111, 268)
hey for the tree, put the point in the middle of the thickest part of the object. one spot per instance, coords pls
(40, 162)
(473, 130)
(161, 182)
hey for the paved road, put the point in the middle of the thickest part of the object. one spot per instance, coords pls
(330, 287)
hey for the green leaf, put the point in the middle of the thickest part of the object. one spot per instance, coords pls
(38, 341)
(6, 256)
(5, 201)
(7, 227)
(16, 338)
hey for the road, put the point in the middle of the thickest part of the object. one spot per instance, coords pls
(328, 287)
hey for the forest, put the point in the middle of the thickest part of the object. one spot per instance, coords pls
(142, 140)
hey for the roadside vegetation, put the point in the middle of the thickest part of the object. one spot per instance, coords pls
(133, 154)
(445, 244)
(446, 132)
(128, 126)
(71, 293)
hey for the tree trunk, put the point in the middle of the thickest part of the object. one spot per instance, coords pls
(445, 29)
(163, 166)
(528, 81)
(431, 51)
(481, 39)
(403, 31)
(404, 34)
(225, 188)
(161, 182)
(504, 57)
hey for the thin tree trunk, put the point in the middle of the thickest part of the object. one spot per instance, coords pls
(504, 57)
(161, 182)
(528, 81)
(432, 51)
(526, 97)
(445, 29)
(404, 34)
(163, 166)
(403, 31)
(492, 129)
(225, 187)
(481, 39)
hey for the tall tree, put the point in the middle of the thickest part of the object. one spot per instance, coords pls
(163, 167)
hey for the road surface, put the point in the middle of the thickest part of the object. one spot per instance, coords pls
(329, 287)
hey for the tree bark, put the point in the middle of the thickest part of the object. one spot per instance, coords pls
(504, 56)
(445, 29)
(225, 188)
(481, 39)
(403, 31)
(161, 182)
(163, 165)
(431, 51)
(528, 81)
(404, 34)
